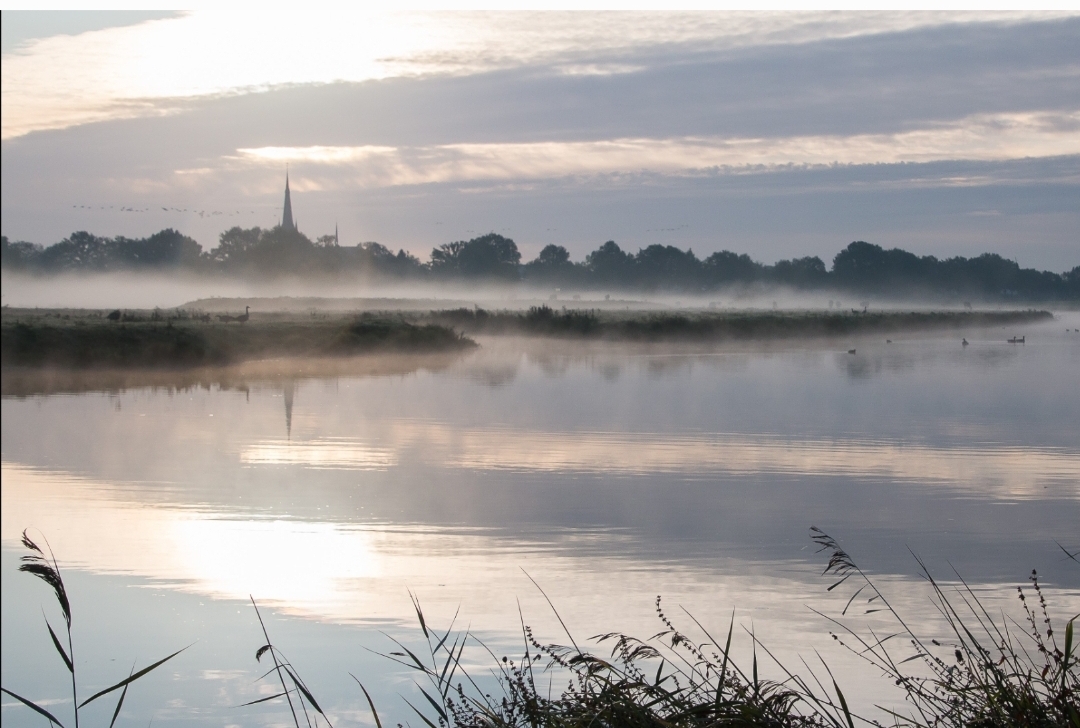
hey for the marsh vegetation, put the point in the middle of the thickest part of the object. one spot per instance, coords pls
(185, 339)
(720, 326)
(82, 339)
(992, 671)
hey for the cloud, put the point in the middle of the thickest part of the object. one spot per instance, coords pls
(148, 69)
(983, 137)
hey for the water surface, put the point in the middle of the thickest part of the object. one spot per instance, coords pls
(608, 473)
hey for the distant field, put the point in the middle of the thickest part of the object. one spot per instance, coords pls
(179, 339)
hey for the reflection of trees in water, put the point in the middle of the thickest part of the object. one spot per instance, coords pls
(494, 375)
(609, 370)
(896, 358)
(552, 365)
(17, 382)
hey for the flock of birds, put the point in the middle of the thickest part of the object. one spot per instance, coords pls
(200, 213)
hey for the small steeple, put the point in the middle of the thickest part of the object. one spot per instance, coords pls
(337, 241)
(286, 217)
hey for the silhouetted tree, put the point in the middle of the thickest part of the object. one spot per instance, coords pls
(489, 256)
(866, 267)
(164, 249)
(19, 255)
(609, 265)
(801, 272)
(724, 268)
(234, 245)
(665, 266)
(861, 267)
(553, 267)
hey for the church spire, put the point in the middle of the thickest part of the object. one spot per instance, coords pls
(286, 216)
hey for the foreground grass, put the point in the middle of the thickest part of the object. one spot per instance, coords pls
(96, 342)
(719, 326)
(993, 671)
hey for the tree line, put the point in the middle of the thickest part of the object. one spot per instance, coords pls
(860, 267)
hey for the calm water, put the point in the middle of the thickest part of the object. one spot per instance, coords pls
(609, 474)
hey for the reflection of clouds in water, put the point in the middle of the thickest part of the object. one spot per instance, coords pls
(327, 453)
(346, 574)
(994, 472)
(324, 569)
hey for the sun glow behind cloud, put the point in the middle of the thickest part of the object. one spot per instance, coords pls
(981, 137)
(154, 67)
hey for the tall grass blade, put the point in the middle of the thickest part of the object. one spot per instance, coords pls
(131, 678)
(419, 613)
(724, 664)
(303, 689)
(60, 648)
(1068, 654)
(438, 708)
(843, 705)
(277, 665)
(120, 702)
(33, 706)
(260, 700)
(422, 716)
(556, 611)
(370, 702)
(1067, 553)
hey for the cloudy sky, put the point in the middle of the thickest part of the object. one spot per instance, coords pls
(774, 134)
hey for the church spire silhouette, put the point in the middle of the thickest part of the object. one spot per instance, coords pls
(286, 216)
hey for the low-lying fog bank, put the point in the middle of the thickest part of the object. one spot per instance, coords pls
(218, 294)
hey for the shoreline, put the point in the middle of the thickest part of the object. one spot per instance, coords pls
(86, 340)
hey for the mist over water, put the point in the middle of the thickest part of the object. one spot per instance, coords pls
(610, 473)
(527, 319)
(144, 291)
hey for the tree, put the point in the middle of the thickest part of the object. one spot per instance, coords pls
(234, 245)
(553, 267)
(19, 255)
(806, 272)
(167, 248)
(609, 265)
(667, 266)
(489, 256)
(863, 266)
(725, 267)
(78, 251)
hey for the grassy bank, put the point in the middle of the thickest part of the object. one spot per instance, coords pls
(86, 340)
(721, 326)
(80, 339)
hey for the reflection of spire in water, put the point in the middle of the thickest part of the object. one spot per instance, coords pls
(289, 389)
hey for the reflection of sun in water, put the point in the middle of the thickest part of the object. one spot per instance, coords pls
(291, 562)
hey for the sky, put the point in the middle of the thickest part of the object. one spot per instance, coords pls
(775, 134)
